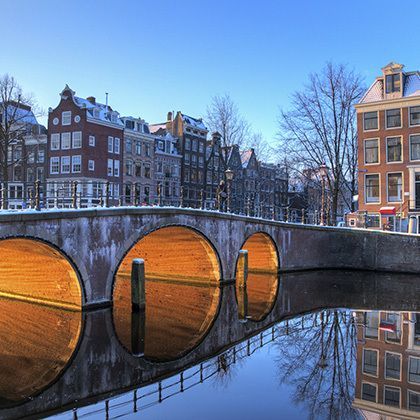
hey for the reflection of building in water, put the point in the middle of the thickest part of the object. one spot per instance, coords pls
(388, 364)
(36, 344)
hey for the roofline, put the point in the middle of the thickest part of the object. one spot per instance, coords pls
(388, 101)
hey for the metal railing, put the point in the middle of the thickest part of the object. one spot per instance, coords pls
(37, 195)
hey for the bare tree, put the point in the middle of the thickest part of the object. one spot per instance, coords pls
(17, 120)
(223, 116)
(320, 128)
(262, 149)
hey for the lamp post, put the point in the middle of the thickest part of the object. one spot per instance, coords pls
(229, 178)
(323, 169)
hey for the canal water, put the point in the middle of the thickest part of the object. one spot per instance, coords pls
(320, 344)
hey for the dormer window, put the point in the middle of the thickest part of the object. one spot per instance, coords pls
(393, 82)
(96, 113)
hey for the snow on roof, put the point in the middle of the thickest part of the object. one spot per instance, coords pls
(376, 91)
(156, 127)
(195, 122)
(246, 157)
(99, 111)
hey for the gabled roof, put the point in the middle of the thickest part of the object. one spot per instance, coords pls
(246, 156)
(411, 87)
(154, 128)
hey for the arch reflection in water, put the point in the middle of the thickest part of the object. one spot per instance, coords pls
(256, 300)
(182, 294)
(36, 344)
(33, 271)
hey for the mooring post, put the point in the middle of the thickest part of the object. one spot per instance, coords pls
(242, 271)
(138, 290)
(138, 332)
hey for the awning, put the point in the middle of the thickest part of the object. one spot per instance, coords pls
(388, 326)
(387, 211)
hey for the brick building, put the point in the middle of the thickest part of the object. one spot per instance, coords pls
(388, 120)
(84, 145)
(139, 183)
(215, 169)
(388, 364)
(192, 136)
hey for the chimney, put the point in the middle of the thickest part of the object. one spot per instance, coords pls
(169, 118)
(91, 99)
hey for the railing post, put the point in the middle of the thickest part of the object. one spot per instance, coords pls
(181, 196)
(74, 195)
(4, 196)
(159, 193)
(273, 215)
(287, 214)
(31, 198)
(247, 206)
(107, 192)
(202, 199)
(303, 216)
(38, 195)
(242, 278)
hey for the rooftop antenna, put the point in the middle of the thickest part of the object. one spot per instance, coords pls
(106, 102)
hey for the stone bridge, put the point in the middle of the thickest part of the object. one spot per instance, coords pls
(53, 248)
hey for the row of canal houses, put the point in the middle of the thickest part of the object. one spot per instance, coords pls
(132, 162)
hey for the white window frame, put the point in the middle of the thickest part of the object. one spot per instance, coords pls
(91, 165)
(386, 119)
(402, 186)
(74, 162)
(66, 118)
(365, 190)
(410, 391)
(110, 167)
(377, 362)
(402, 149)
(363, 121)
(372, 384)
(408, 370)
(116, 168)
(379, 151)
(55, 141)
(92, 141)
(409, 146)
(110, 144)
(396, 354)
(66, 137)
(76, 141)
(65, 160)
(383, 396)
(117, 145)
(55, 160)
(409, 116)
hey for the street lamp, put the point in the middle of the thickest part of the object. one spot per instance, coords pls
(323, 172)
(229, 178)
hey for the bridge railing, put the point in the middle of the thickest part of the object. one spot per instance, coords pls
(67, 194)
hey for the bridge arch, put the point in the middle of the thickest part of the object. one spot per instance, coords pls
(183, 271)
(35, 270)
(258, 298)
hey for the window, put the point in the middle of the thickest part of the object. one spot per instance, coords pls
(65, 141)
(187, 175)
(31, 157)
(40, 174)
(128, 167)
(414, 370)
(393, 118)
(370, 120)
(110, 167)
(194, 145)
(77, 140)
(117, 143)
(30, 176)
(92, 141)
(41, 156)
(147, 149)
(392, 366)
(371, 324)
(415, 147)
(91, 165)
(55, 141)
(187, 144)
(110, 144)
(194, 160)
(138, 148)
(161, 145)
(201, 147)
(368, 392)
(370, 362)
(372, 188)
(138, 170)
(66, 118)
(116, 168)
(147, 171)
(187, 158)
(201, 161)
(54, 165)
(76, 164)
(414, 401)
(394, 318)
(393, 149)
(392, 396)
(393, 83)
(65, 164)
(394, 187)
(372, 151)
(415, 115)
(128, 144)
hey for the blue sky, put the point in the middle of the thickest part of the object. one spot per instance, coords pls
(156, 56)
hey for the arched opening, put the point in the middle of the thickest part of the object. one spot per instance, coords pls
(37, 343)
(256, 300)
(34, 271)
(182, 295)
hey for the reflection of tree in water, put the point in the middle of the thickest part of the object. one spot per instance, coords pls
(227, 365)
(318, 359)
